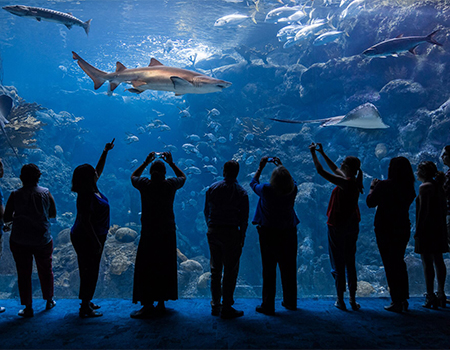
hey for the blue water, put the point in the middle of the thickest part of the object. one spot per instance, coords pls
(37, 61)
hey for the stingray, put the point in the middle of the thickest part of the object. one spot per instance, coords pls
(365, 116)
(6, 104)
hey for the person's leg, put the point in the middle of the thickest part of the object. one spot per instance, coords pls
(337, 260)
(231, 257)
(441, 273)
(43, 258)
(288, 268)
(24, 265)
(428, 271)
(216, 264)
(269, 266)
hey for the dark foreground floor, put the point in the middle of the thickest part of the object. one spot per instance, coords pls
(189, 325)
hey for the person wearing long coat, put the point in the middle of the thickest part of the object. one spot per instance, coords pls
(155, 274)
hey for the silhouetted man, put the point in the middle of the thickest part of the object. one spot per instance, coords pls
(226, 214)
(2, 309)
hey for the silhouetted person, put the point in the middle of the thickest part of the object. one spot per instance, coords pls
(89, 232)
(393, 197)
(343, 221)
(431, 231)
(155, 272)
(277, 223)
(29, 208)
(445, 156)
(2, 209)
(226, 214)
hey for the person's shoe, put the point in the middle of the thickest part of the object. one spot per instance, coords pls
(215, 310)
(405, 305)
(50, 304)
(289, 307)
(442, 299)
(94, 306)
(394, 307)
(231, 312)
(27, 312)
(87, 312)
(340, 304)
(431, 302)
(355, 306)
(145, 312)
(2, 309)
(262, 310)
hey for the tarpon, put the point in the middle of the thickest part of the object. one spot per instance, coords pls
(393, 47)
(48, 15)
(6, 104)
(365, 116)
(154, 77)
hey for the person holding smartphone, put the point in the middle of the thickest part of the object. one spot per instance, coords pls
(276, 222)
(89, 232)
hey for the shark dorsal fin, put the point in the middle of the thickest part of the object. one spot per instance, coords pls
(120, 67)
(155, 62)
(399, 36)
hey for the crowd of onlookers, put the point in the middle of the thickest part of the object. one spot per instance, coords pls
(30, 207)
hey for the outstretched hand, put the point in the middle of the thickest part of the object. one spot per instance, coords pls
(151, 156)
(110, 145)
(167, 156)
(263, 162)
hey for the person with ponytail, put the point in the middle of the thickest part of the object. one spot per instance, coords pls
(431, 231)
(393, 197)
(343, 221)
(90, 230)
(155, 273)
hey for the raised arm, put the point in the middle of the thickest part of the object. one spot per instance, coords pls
(262, 164)
(333, 167)
(138, 172)
(101, 162)
(167, 156)
(52, 210)
(338, 178)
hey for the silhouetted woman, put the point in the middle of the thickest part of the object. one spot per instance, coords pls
(155, 273)
(343, 221)
(277, 228)
(89, 232)
(29, 208)
(431, 231)
(393, 197)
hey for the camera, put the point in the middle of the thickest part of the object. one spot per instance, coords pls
(270, 160)
(159, 154)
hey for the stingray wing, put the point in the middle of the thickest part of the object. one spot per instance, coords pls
(6, 103)
(365, 116)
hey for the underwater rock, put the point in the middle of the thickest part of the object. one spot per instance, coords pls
(204, 281)
(63, 237)
(125, 235)
(403, 95)
(365, 289)
(191, 266)
(380, 150)
(119, 265)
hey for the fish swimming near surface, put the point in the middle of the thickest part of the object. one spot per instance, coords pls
(393, 47)
(154, 77)
(365, 116)
(48, 15)
(6, 104)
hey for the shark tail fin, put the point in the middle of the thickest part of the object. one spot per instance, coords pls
(430, 38)
(97, 76)
(87, 26)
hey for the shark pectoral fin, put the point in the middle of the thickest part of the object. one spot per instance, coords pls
(112, 86)
(38, 19)
(413, 50)
(69, 26)
(155, 62)
(399, 36)
(120, 67)
(179, 83)
(137, 83)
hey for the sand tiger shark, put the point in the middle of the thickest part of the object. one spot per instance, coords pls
(154, 77)
(48, 15)
(365, 116)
